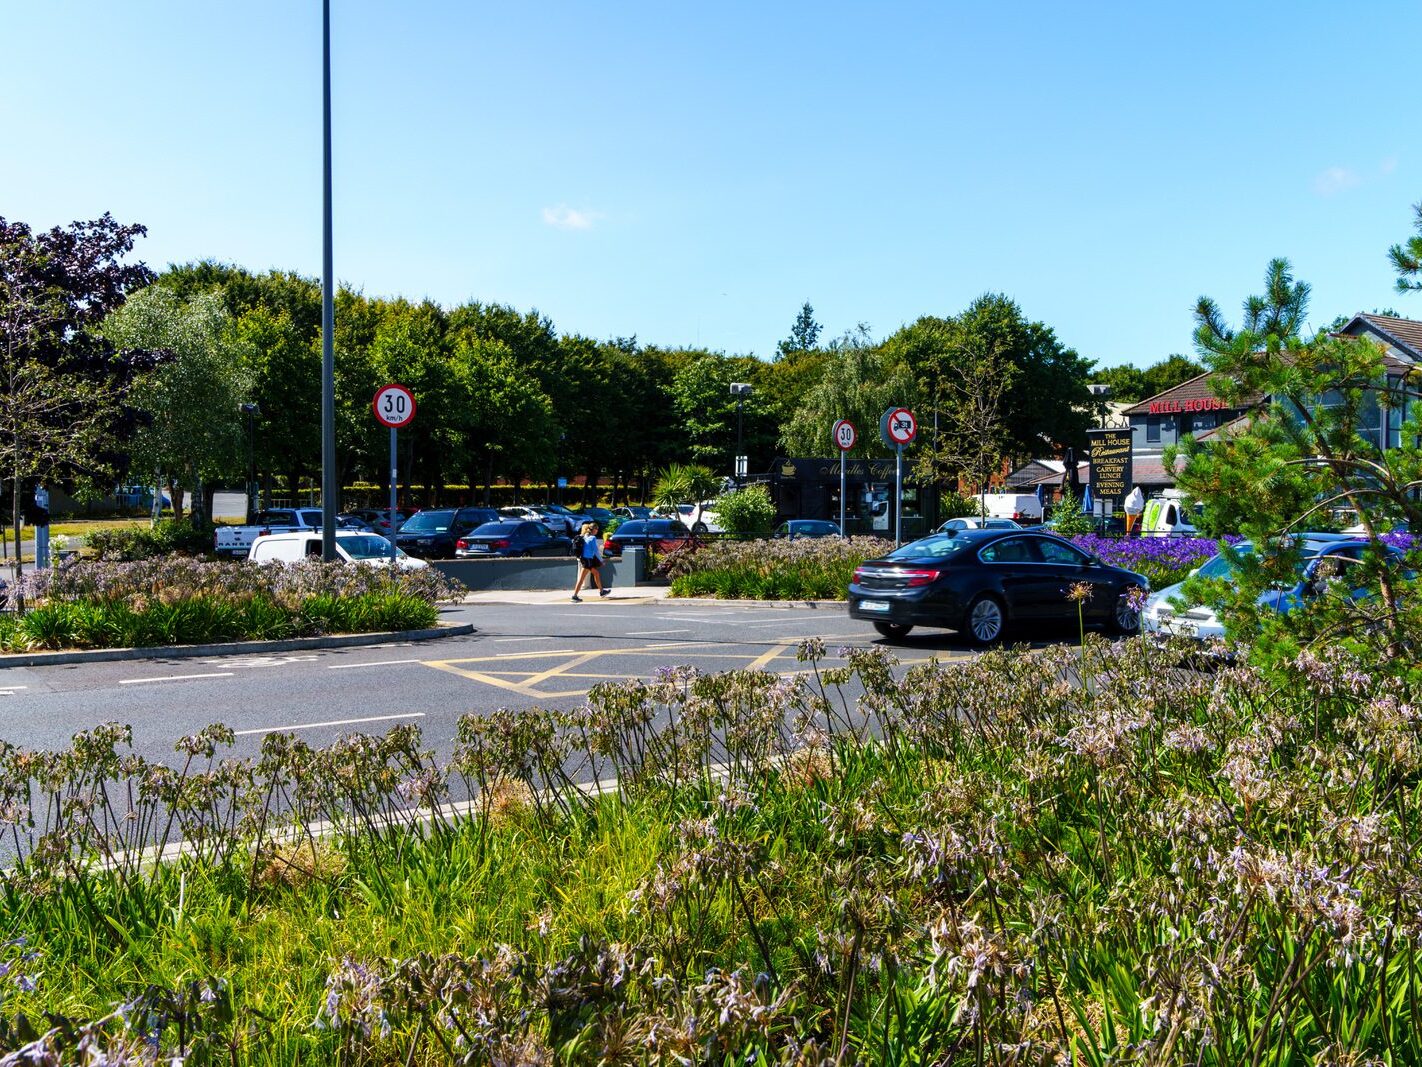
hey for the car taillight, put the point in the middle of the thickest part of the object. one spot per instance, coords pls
(859, 573)
(501, 544)
(461, 543)
(1016, 515)
(263, 533)
(913, 578)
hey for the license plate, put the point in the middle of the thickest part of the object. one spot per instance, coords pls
(478, 548)
(874, 605)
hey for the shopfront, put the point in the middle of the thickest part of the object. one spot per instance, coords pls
(809, 489)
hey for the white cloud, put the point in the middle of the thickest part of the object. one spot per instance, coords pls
(1335, 180)
(566, 218)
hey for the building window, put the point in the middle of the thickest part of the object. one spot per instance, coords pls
(1152, 429)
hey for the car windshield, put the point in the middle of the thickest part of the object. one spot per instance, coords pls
(665, 527)
(428, 522)
(492, 528)
(368, 546)
(935, 547)
(631, 529)
(1219, 567)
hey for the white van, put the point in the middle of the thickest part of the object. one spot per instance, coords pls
(1019, 507)
(1168, 515)
(353, 546)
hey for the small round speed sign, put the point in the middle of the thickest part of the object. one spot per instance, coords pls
(845, 435)
(394, 406)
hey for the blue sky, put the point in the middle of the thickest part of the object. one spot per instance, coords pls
(692, 174)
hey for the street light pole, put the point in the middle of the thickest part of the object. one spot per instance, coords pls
(329, 489)
(740, 390)
(251, 411)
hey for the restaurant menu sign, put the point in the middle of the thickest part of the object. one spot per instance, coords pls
(1110, 464)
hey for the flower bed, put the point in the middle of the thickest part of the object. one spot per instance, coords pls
(804, 569)
(179, 600)
(984, 862)
(1164, 560)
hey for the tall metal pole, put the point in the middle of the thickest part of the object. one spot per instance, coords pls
(898, 496)
(394, 482)
(740, 403)
(329, 488)
(843, 461)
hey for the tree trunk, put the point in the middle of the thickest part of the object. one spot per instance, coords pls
(19, 560)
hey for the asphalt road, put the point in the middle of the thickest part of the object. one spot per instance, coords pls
(523, 655)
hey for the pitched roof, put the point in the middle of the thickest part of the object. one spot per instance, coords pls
(1406, 334)
(1197, 388)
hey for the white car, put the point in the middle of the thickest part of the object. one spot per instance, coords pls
(351, 545)
(972, 522)
(699, 518)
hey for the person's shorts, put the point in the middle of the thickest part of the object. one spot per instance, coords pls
(592, 564)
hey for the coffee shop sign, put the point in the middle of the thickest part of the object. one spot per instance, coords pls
(1200, 403)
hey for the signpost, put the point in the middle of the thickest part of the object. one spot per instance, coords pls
(1110, 465)
(897, 429)
(394, 406)
(844, 437)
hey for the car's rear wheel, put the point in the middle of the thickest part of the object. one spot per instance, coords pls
(1125, 619)
(984, 620)
(894, 630)
(698, 528)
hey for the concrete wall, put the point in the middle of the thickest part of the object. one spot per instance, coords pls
(534, 573)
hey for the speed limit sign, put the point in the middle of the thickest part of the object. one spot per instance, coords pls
(845, 435)
(394, 405)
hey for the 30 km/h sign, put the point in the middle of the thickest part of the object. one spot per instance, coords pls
(899, 426)
(845, 435)
(394, 406)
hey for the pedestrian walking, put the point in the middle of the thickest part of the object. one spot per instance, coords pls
(589, 561)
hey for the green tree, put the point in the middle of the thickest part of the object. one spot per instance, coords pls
(1407, 257)
(1129, 383)
(860, 382)
(1310, 448)
(62, 384)
(192, 400)
(684, 483)
(973, 431)
(804, 334)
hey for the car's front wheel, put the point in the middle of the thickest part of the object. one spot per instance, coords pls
(1126, 619)
(894, 630)
(698, 528)
(984, 620)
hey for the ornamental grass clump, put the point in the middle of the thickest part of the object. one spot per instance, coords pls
(1064, 856)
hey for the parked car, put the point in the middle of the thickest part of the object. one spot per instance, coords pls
(594, 514)
(560, 522)
(700, 518)
(968, 522)
(512, 537)
(632, 511)
(351, 545)
(797, 528)
(236, 541)
(431, 534)
(979, 582)
(379, 519)
(1167, 516)
(1164, 615)
(349, 521)
(660, 535)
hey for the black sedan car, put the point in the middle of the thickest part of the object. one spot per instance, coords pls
(797, 528)
(512, 537)
(431, 534)
(979, 581)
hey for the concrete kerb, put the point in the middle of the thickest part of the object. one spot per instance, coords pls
(230, 648)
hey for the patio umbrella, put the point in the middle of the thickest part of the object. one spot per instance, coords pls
(1086, 502)
(1041, 494)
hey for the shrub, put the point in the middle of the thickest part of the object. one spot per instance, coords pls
(166, 537)
(953, 505)
(806, 569)
(1067, 517)
(747, 512)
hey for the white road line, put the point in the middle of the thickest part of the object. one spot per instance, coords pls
(371, 663)
(333, 722)
(653, 633)
(173, 678)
